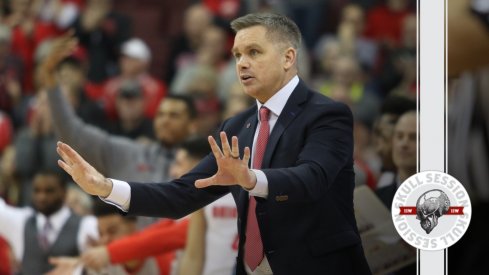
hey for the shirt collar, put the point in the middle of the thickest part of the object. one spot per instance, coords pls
(56, 219)
(277, 102)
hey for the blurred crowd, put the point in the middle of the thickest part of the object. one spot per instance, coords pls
(146, 82)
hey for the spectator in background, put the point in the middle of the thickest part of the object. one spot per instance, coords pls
(10, 74)
(78, 201)
(392, 108)
(348, 84)
(237, 101)
(71, 77)
(212, 54)
(112, 226)
(399, 72)
(130, 106)
(308, 15)
(28, 32)
(327, 54)
(162, 239)
(101, 31)
(134, 64)
(62, 13)
(50, 229)
(404, 156)
(173, 123)
(350, 38)
(165, 237)
(196, 19)
(213, 51)
(384, 22)
(34, 145)
(404, 140)
(200, 82)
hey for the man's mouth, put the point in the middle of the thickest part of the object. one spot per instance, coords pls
(245, 78)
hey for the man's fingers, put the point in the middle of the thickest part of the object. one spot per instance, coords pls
(70, 153)
(202, 183)
(215, 149)
(65, 167)
(247, 155)
(55, 260)
(226, 150)
(63, 155)
(235, 147)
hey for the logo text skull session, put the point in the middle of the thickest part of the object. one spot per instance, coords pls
(431, 210)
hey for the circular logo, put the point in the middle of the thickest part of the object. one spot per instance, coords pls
(431, 210)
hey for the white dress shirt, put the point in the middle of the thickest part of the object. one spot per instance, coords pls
(120, 195)
(13, 220)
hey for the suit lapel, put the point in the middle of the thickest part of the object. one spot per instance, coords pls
(248, 132)
(289, 113)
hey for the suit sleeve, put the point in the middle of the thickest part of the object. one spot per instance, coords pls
(176, 198)
(327, 150)
(161, 238)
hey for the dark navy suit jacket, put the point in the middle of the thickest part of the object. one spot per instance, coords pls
(307, 222)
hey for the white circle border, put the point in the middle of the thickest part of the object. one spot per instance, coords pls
(437, 243)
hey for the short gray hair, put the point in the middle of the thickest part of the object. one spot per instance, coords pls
(278, 26)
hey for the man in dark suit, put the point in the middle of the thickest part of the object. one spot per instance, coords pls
(295, 206)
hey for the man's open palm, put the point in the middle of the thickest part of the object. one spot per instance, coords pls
(231, 168)
(87, 177)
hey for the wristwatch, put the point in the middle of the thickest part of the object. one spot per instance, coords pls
(480, 8)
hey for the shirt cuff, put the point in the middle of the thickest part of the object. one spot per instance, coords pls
(120, 195)
(261, 187)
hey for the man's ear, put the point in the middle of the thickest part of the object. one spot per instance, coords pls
(290, 58)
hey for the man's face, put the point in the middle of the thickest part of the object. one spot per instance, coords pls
(383, 130)
(130, 108)
(132, 67)
(404, 142)
(172, 122)
(48, 194)
(182, 164)
(261, 62)
(113, 227)
(71, 76)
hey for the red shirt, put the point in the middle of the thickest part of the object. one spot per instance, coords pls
(25, 47)
(160, 241)
(385, 25)
(4, 258)
(6, 131)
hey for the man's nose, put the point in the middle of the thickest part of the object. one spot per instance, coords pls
(243, 63)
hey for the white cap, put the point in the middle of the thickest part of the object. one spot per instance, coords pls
(136, 48)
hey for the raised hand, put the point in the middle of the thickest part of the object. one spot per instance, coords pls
(231, 169)
(62, 47)
(87, 177)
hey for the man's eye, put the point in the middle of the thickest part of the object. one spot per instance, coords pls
(237, 55)
(253, 52)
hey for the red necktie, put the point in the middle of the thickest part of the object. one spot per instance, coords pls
(253, 245)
